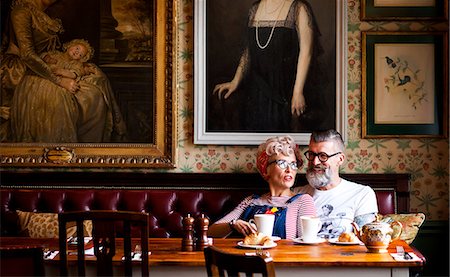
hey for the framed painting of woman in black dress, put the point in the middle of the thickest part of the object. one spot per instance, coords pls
(266, 67)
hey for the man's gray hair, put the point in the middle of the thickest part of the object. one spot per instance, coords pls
(329, 135)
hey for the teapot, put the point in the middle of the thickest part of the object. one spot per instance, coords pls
(377, 235)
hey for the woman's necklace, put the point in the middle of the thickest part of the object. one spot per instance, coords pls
(271, 31)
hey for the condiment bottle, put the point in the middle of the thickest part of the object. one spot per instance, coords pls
(202, 225)
(187, 243)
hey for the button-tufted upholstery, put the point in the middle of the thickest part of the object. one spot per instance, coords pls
(166, 208)
(167, 198)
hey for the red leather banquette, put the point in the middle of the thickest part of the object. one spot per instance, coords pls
(166, 197)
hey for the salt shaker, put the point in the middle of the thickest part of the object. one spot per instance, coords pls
(187, 243)
(202, 225)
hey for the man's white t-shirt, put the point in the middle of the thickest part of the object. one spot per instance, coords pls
(339, 206)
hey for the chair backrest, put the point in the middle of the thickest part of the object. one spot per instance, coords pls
(22, 261)
(218, 262)
(104, 237)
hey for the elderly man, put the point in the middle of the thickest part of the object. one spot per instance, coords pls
(338, 201)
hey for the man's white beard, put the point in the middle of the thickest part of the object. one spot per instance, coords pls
(318, 180)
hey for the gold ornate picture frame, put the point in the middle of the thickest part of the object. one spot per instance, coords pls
(156, 150)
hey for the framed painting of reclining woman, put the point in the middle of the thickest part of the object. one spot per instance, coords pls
(87, 83)
(268, 67)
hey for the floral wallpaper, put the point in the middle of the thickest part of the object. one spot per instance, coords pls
(426, 159)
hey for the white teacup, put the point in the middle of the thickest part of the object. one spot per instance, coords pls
(310, 227)
(264, 223)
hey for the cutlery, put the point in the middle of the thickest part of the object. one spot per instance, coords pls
(401, 251)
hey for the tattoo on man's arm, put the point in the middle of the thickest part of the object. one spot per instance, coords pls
(363, 219)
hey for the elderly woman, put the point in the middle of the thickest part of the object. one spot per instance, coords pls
(277, 161)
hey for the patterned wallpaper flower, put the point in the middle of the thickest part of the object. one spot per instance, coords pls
(426, 159)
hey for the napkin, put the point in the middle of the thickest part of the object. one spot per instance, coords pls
(89, 251)
(136, 256)
(401, 257)
(50, 255)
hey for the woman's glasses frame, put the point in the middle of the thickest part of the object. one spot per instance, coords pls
(283, 164)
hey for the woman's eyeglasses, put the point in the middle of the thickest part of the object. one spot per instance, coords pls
(323, 157)
(283, 164)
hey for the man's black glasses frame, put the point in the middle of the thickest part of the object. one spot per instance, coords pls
(323, 157)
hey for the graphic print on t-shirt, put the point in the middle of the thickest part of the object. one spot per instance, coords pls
(331, 224)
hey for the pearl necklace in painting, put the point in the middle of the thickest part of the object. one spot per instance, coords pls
(271, 31)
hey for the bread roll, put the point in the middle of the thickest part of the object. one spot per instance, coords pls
(347, 237)
(257, 239)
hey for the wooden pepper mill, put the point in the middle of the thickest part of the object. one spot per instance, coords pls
(187, 243)
(201, 231)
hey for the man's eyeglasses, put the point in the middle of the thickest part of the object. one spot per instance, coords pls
(283, 164)
(323, 157)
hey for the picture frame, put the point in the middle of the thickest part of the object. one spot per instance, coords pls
(404, 94)
(417, 10)
(218, 46)
(156, 147)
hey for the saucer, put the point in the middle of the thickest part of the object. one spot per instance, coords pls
(336, 241)
(253, 246)
(316, 241)
(275, 238)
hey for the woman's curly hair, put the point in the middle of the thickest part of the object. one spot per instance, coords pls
(273, 146)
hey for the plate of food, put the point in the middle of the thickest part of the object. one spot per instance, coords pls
(345, 239)
(257, 241)
(256, 246)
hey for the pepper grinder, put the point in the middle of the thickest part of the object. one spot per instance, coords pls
(202, 224)
(187, 243)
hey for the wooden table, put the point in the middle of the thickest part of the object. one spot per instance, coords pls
(290, 259)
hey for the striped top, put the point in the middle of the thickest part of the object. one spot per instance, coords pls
(303, 205)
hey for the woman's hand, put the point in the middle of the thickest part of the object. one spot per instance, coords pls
(69, 84)
(298, 105)
(244, 227)
(227, 88)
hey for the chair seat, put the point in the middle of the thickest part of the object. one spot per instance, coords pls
(22, 261)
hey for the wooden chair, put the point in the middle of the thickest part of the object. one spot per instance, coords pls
(22, 261)
(218, 262)
(104, 234)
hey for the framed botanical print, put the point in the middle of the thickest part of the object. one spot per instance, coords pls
(404, 10)
(405, 84)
